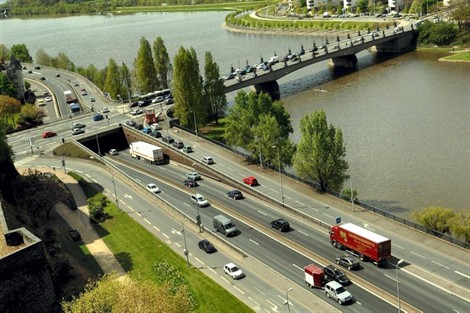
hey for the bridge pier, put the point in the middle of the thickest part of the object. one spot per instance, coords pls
(271, 88)
(349, 61)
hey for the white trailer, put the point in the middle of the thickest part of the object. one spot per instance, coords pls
(146, 151)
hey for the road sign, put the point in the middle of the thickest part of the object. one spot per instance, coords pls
(338, 220)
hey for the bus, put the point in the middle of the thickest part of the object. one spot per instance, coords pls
(165, 93)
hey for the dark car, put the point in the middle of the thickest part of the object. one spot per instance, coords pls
(131, 123)
(347, 261)
(169, 101)
(144, 103)
(98, 117)
(37, 67)
(42, 78)
(167, 139)
(280, 224)
(206, 246)
(133, 104)
(190, 183)
(75, 235)
(57, 75)
(235, 194)
(156, 134)
(332, 273)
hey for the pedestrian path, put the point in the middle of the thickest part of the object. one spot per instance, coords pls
(80, 220)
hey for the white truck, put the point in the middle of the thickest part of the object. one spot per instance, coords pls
(146, 151)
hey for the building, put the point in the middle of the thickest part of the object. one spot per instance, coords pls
(349, 5)
(14, 72)
(395, 5)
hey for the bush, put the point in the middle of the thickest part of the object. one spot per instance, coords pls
(440, 34)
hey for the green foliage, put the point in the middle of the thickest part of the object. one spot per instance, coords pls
(169, 275)
(461, 14)
(346, 193)
(436, 218)
(21, 53)
(321, 153)
(162, 63)
(436, 33)
(214, 88)
(362, 6)
(6, 86)
(126, 83)
(460, 225)
(146, 74)
(5, 53)
(187, 89)
(257, 123)
(30, 116)
(96, 205)
(113, 83)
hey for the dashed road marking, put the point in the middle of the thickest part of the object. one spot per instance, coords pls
(156, 227)
(166, 235)
(130, 208)
(138, 213)
(148, 222)
(305, 234)
(315, 209)
(400, 247)
(241, 291)
(457, 272)
(212, 270)
(418, 255)
(254, 242)
(178, 245)
(442, 265)
(287, 197)
(261, 212)
(199, 261)
(260, 291)
(392, 278)
(225, 279)
(253, 300)
(300, 268)
(328, 215)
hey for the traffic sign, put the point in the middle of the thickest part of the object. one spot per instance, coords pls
(338, 220)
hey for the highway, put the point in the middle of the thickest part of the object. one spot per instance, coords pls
(414, 290)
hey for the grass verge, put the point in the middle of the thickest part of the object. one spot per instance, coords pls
(137, 250)
(213, 131)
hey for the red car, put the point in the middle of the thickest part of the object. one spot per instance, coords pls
(48, 134)
(250, 180)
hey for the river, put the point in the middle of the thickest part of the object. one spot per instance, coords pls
(405, 120)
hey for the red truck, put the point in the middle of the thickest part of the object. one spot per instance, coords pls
(365, 244)
(314, 276)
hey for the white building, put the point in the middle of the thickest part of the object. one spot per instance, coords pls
(395, 5)
(348, 5)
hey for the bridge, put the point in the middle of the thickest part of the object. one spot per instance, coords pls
(342, 52)
(4, 12)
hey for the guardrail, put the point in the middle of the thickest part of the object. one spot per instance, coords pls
(316, 185)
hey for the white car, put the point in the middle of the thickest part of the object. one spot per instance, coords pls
(77, 131)
(199, 199)
(48, 99)
(233, 271)
(337, 292)
(137, 112)
(155, 126)
(194, 176)
(113, 152)
(105, 110)
(153, 188)
(208, 160)
(158, 99)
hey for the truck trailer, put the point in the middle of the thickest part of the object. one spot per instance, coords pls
(70, 97)
(314, 276)
(361, 242)
(146, 151)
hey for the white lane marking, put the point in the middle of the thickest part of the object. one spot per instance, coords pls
(241, 291)
(178, 245)
(392, 278)
(88, 175)
(188, 205)
(260, 291)
(296, 201)
(138, 213)
(261, 212)
(107, 190)
(148, 222)
(230, 169)
(287, 197)
(442, 265)
(199, 261)
(94, 180)
(274, 190)
(254, 242)
(418, 255)
(315, 209)
(328, 215)
(212, 270)
(165, 235)
(225, 279)
(305, 234)
(122, 202)
(274, 305)
(127, 196)
(457, 272)
(254, 301)
(156, 227)
(400, 247)
(131, 208)
(300, 268)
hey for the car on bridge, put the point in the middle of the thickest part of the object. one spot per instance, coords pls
(251, 181)
(76, 131)
(48, 134)
(98, 117)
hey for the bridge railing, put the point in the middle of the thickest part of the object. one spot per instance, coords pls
(316, 186)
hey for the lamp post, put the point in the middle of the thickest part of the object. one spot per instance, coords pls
(115, 193)
(280, 175)
(186, 252)
(287, 299)
(198, 216)
(97, 141)
(259, 150)
(195, 124)
(397, 267)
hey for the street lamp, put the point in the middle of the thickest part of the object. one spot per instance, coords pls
(259, 150)
(287, 299)
(280, 175)
(97, 141)
(115, 193)
(195, 124)
(397, 267)
(186, 252)
(198, 216)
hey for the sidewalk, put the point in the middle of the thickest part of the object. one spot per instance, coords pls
(80, 220)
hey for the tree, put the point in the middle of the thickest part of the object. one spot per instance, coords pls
(460, 13)
(214, 88)
(113, 84)
(21, 53)
(110, 294)
(162, 62)
(187, 89)
(126, 83)
(460, 225)
(146, 74)
(6, 86)
(362, 6)
(38, 194)
(8, 108)
(436, 218)
(320, 154)
(30, 116)
(8, 172)
(43, 58)
(5, 53)
(96, 205)
(64, 62)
